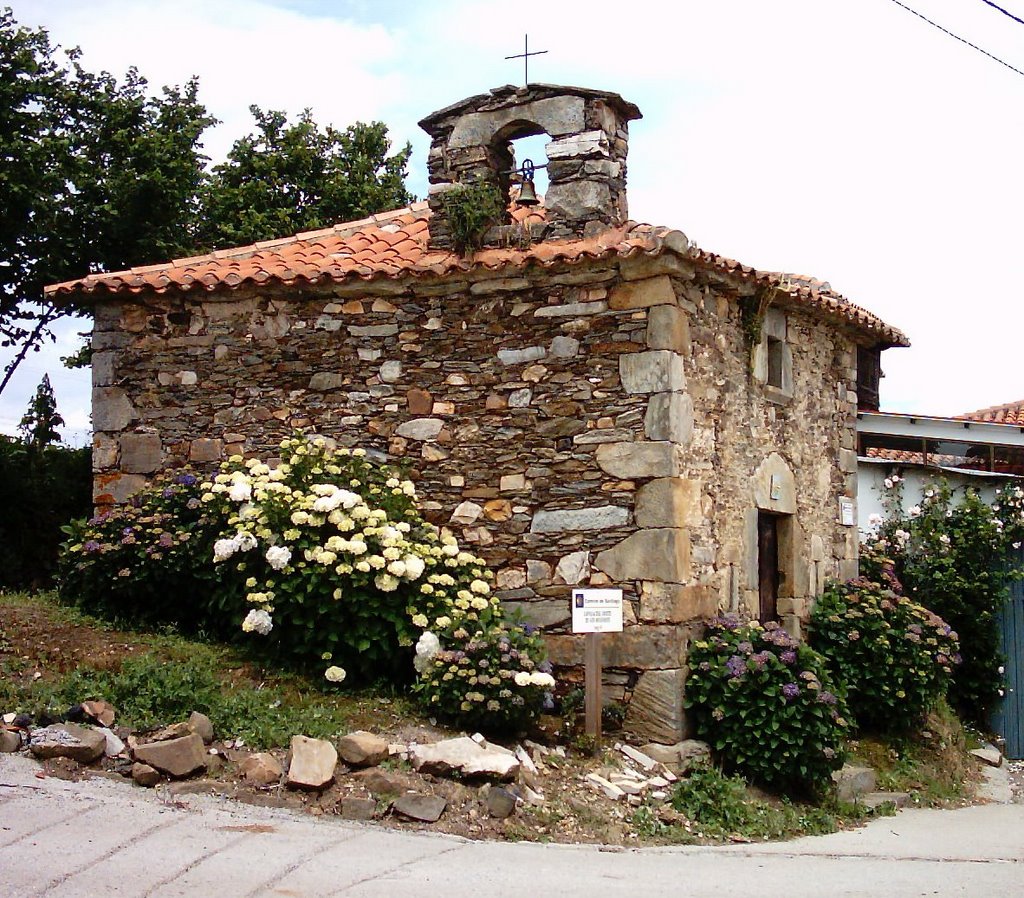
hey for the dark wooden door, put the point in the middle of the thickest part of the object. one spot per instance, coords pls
(768, 566)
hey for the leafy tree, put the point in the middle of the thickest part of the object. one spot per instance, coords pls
(42, 487)
(41, 420)
(96, 175)
(286, 178)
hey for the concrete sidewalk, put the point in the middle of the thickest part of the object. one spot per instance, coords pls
(104, 838)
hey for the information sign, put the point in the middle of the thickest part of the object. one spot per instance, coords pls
(597, 610)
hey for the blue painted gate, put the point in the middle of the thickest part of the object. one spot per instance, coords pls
(1008, 716)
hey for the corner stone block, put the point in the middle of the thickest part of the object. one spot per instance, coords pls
(110, 489)
(141, 453)
(670, 417)
(668, 328)
(654, 291)
(656, 710)
(661, 554)
(656, 371)
(631, 461)
(111, 409)
(103, 368)
(669, 502)
(673, 603)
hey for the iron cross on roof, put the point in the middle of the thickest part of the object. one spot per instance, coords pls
(525, 57)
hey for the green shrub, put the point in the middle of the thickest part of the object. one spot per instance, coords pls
(722, 807)
(326, 561)
(894, 656)
(953, 554)
(472, 209)
(765, 704)
(149, 561)
(41, 489)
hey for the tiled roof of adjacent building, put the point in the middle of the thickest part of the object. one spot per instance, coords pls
(394, 245)
(1010, 413)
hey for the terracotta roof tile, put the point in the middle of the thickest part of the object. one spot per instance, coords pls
(1010, 413)
(394, 244)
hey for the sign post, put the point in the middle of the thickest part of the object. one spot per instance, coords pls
(595, 611)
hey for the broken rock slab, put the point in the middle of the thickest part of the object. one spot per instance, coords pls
(500, 803)
(10, 741)
(989, 755)
(261, 768)
(175, 757)
(68, 740)
(358, 808)
(465, 757)
(417, 806)
(363, 749)
(680, 756)
(145, 775)
(312, 763)
(201, 725)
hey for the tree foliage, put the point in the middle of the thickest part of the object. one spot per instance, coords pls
(42, 487)
(287, 178)
(40, 422)
(98, 174)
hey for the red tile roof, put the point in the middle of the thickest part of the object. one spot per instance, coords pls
(394, 244)
(1010, 413)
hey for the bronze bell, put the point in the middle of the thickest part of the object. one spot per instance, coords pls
(527, 194)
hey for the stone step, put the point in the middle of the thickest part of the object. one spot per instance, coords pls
(875, 800)
(852, 782)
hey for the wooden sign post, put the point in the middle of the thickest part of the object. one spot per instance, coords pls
(595, 611)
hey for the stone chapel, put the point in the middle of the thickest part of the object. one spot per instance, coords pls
(584, 400)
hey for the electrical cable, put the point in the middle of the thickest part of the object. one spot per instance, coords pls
(1005, 12)
(957, 37)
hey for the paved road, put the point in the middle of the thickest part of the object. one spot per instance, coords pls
(102, 838)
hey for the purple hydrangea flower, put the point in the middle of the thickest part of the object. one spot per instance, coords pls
(90, 547)
(736, 666)
(791, 690)
(760, 659)
(745, 648)
(826, 697)
(788, 657)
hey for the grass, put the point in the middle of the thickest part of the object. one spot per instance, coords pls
(165, 677)
(931, 764)
(707, 804)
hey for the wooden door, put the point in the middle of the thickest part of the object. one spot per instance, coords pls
(1008, 716)
(768, 566)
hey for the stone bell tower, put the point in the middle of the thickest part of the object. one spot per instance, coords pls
(586, 156)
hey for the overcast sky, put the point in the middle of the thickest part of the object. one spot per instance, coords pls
(848, 140)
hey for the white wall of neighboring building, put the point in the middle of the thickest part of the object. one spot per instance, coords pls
(871, 489)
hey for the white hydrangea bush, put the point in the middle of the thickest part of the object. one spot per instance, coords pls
(340, 570)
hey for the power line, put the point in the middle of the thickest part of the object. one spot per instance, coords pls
(957, 36)
(1005, 12)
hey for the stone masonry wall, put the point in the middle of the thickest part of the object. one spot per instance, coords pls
(593, 425)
